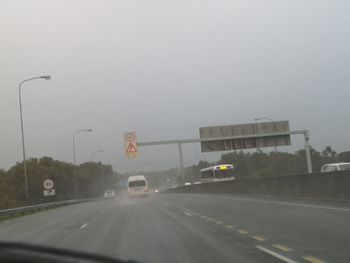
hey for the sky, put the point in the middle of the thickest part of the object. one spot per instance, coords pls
(164, 68)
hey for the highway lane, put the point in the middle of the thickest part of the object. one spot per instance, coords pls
(316, 229)
(194, 228)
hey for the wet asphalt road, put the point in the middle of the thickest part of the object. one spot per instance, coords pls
(194, 228)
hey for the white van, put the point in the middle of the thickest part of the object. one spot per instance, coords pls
(332, 167)
(137, 186)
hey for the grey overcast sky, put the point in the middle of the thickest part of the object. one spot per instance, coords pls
(166, 67)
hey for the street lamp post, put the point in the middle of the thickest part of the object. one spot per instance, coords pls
(22, 130)
(269, 119)
(75, 162)
(93, 154)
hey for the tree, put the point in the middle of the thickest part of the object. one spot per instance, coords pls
(328, 152)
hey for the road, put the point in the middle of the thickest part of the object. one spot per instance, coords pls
(194, 228)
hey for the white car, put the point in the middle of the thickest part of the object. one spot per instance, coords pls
(109, 194)
(332, 167)
(137, 186)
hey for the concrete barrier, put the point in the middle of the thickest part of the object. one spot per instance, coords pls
(333, 185)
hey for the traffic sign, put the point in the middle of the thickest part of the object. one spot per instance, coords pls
(130, 137)
(49, 192)
(48, 184)
(131, 148)
(253, 135)
(130, 145)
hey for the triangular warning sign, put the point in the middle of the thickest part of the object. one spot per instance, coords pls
(131, 148)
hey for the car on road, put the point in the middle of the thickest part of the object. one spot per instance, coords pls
(137, 186)
(109, 194)
(332, 167)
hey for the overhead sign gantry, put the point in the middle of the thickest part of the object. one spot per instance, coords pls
(241, 136)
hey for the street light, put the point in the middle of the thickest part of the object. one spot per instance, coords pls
(75, 133)
(265, 118)
(46, 77)
(93, 154)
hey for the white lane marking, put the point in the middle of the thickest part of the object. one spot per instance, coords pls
(84, 225)
(102, 211)
(188, 210)
(291, 204)
(276, 255)
(188, 214)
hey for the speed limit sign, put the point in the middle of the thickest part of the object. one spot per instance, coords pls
(48, 184)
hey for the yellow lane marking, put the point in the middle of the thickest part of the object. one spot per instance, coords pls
(281, 247)
(218, 222)
(313, 259)
(259, 238)
(242, 231)
(228, 226)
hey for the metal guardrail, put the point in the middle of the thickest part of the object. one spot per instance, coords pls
(39, 207)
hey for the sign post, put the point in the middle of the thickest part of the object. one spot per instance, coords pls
(130, 144)
(181, 159)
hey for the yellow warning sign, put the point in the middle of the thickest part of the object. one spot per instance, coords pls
(130, 145)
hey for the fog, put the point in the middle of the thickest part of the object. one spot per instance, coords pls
(164, 69)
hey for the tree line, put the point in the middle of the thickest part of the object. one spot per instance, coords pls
(91, 179)
(94, 178)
